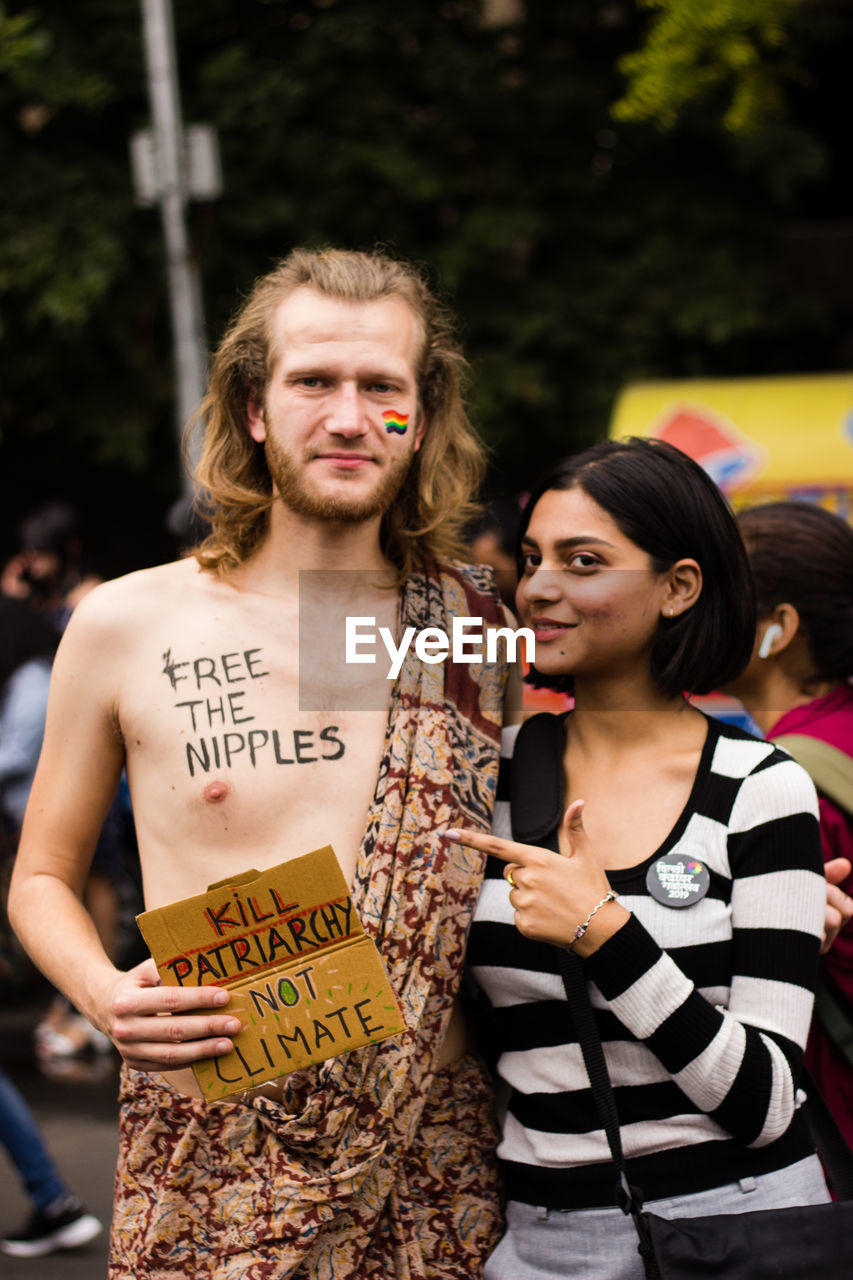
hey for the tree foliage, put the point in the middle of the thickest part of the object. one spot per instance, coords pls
(579, 252)
(698, 51)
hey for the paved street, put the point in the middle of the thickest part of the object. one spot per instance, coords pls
(78, 1120)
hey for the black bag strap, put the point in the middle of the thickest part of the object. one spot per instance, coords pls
(536, 799)
(593, 1054)
(628, 1198)
(536, 779)
(583, 1015)
(536, 804)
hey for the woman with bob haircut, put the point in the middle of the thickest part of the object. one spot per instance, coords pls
(797, 690)
(677, 856)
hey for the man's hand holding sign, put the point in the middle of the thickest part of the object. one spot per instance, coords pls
(184, 1037)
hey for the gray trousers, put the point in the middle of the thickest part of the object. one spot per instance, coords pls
(601, 1244)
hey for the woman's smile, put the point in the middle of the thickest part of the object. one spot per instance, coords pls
(549, 628)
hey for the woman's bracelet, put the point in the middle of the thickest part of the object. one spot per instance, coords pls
(610, 896)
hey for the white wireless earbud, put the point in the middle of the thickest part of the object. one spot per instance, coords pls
(771, 635)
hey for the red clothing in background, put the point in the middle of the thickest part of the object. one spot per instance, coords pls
(830, 719)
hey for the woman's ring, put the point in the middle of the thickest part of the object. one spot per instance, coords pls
(509, 879)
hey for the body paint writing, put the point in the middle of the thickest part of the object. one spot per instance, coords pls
(218, 711)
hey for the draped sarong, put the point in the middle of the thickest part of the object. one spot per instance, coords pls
(372, 1165)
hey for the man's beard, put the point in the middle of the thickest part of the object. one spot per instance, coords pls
(299, 497)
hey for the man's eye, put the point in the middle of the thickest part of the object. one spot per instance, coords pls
(382, 387)
(310, 381)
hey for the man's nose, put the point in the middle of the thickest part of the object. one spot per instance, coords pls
(346, 416)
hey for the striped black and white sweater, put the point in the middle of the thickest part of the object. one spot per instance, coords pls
(703, 1011)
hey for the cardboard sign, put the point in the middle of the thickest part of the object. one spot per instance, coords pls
(305, 980)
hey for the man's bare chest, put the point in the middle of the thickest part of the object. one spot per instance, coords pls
(225, 761)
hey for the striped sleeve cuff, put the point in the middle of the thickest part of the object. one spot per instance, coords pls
(642, 984)
(617, 964)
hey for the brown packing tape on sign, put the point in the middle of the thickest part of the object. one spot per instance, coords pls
(306, 981)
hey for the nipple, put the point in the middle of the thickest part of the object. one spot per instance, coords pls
(215, 792)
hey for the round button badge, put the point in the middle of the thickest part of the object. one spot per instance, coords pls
(676, 880)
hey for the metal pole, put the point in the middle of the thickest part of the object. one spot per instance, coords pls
(184, 287)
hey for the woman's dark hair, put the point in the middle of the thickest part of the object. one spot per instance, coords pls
(24, 635)
(802, 555)
(669, 507)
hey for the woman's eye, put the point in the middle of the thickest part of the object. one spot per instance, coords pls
(528, 562)
(584, 560)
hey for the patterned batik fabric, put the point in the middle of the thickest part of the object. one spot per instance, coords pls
(212, 1191)
(371, 1165)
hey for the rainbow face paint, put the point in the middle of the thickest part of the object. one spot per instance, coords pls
(396, 423)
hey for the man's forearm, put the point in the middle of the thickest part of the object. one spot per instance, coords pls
(60, 936)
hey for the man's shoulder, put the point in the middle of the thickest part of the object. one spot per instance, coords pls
(127, 601)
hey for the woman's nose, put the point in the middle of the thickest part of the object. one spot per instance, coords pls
(541, 584)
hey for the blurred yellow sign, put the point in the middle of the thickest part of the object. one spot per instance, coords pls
(759, 438)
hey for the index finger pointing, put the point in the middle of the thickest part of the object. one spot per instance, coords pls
(523, 855)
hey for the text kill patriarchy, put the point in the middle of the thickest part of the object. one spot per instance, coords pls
(253, 932)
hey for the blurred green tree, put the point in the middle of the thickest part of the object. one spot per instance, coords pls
(580, 250)
(693, 52)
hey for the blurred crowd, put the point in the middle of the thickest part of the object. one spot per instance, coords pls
(50, 572)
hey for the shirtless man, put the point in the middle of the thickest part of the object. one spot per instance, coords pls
(335, 439)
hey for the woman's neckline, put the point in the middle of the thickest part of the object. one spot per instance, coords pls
(624, 874)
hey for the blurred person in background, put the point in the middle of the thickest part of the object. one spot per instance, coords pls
(47, 577)
(27, 644)
(49, 569)
(797, 690)
(59, 1219)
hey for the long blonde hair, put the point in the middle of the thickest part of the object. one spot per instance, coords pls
(437, 498)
